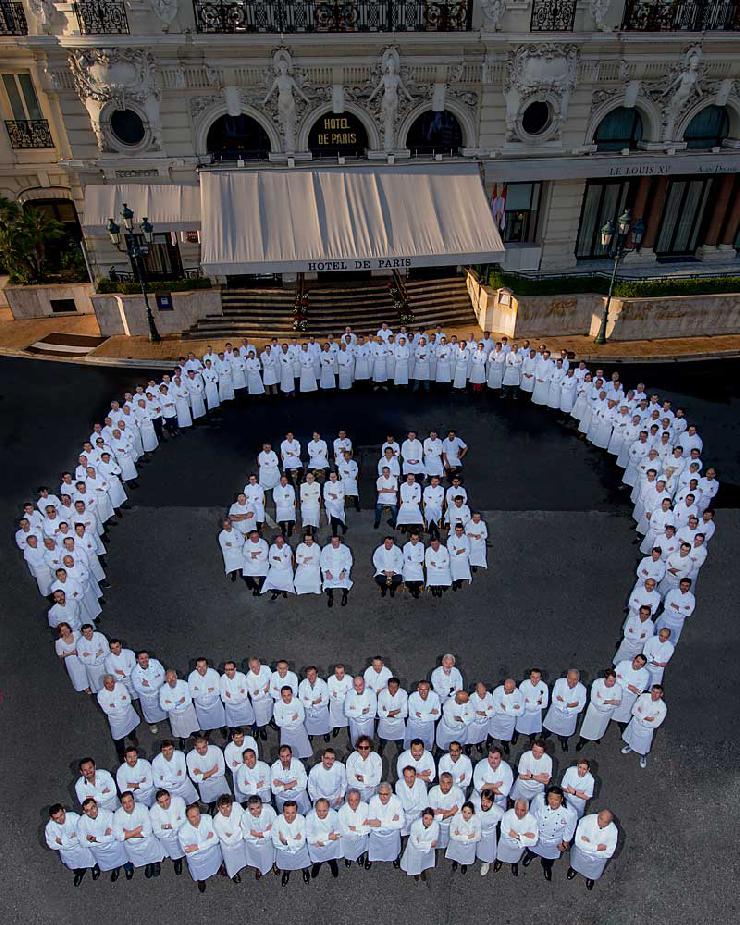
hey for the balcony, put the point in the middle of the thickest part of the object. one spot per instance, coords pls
(291, 16)
(29, 133)
(682, 16)
(101, 18)
(12, 19)
(552, 15)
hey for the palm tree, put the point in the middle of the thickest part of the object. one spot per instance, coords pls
(24, 235)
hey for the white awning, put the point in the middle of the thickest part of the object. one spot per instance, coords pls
(359, 218)
(169, 207)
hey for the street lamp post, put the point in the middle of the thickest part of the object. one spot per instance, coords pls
(136, 252)
(626, 228)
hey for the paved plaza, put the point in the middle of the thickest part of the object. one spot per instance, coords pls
(561, 564)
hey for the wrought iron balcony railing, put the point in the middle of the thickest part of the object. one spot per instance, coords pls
(682, 16)
(289, 16)
(12, 19)
(96, 18)
(552, 15)
(29, 133)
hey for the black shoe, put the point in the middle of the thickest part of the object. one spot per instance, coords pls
(589, 884)
(580, 744)
(454, 865)
(79, 877)
(528, 858)
(201, 886)
(564, 744)
(115, 874)
(514, 870)
(284, 879)
(148, 871)
(347, 863)
(397, 863)
(515, 738)
(330, 602)
(547, 873)
(178, 867)
(129, 872)
(306, 875)
(571, 873)
(344, 598)
(315, 870)
(507, 750)
(236, 879)
(464, 869)
(334, 868)
(335, 732)
(263, 734)
(95, 872)
(497, 865)
(368, 863)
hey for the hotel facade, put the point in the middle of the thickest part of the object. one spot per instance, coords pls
(567, 112)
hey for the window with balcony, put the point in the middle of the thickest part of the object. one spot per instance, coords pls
(12, 18)
(681, 16)
(708, 129)
(291, 16)
(435, 133)
(27, 128)
(522, 204)
(553, 15)
(233, 138)
(96, 18)
(619, 129)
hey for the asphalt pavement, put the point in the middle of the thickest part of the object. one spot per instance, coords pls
(561, 564)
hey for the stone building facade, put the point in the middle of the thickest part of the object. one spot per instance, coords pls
(573, 109)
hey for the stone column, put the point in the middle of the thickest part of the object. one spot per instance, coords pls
(720, 204)
(732, 221)
(641, 209)
(652, 218)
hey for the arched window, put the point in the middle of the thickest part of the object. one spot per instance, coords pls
(620, 128)
(708, 128)
(233, 137)
(435, 133)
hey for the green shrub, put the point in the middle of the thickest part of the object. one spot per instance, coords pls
(173, 285)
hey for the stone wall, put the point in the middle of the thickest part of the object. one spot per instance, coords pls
(35, 301)
(126, 314)
(671, 316)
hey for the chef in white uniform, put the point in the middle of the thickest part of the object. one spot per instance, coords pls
(170, 773)
(606, 696)
(360, 708)
(425, 709)
(61, 836)
(289, 715)
(648, 713)
(280, 575)
(313, 693)
(336, 564)
(556, 825)
(536, 697)
(115, 701)
(519, 831)
(207, 770)
(308, 571)
(167, 817)
(147, 677)
(385, 821)
(289, 841)
(234, 691)
(205, 689)
(201, 845)
(578, 785)
(257, 824)
(133, 826)
(227, 824)
(95, 831)
(568, 701)
(594, 843)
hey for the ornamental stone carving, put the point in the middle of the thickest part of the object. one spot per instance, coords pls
(493, 10)
(682, 88)
(546, 71)
(118, 78)
(284, 97)
(166, 11)
(389, 91)
(599, 9)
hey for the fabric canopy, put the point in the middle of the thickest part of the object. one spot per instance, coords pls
(359, 218)
(169, 207)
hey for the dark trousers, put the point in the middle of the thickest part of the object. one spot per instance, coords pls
(255, 582)
(420, 384)
(294, 475)
(171, 426)
(336, 523)
(379, 513)
(414, 587)
(120, 744)
(286, 527)
(157, 425)
(388, 584)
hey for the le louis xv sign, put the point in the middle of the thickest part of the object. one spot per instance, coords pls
(667, 167)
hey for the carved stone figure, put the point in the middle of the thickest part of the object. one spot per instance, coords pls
(116, 78)
(287, 89)
(493, 10)
(682, 86)
(166, 10)
(390, 83)
(599, 9)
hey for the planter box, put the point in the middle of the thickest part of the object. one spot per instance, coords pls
(49, 299)
(126, 314)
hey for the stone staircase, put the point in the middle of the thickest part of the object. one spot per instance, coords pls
(268, 312)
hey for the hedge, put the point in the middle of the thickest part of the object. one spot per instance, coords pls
(569, 285)
(173, 285)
